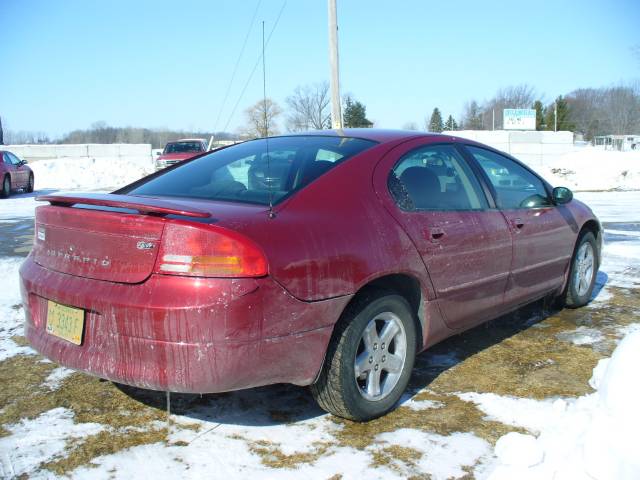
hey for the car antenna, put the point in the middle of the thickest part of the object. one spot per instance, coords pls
(266, 128)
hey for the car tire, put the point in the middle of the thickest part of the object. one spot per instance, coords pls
(583, 271)
(375, 336)
(30, 183)
(6, 187)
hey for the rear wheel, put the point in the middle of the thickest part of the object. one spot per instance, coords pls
(582, 276)
(29, 188)
(369, 359)
(6, 187)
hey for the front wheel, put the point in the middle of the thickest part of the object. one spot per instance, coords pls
(582, 276)
(6, 187)
(369, 359)
(30, 184)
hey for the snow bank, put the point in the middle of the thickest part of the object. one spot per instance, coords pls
(591, 437)
(90, 173)
(11, 311)
(594, 169)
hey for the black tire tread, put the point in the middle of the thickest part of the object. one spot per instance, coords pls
(327, 389)
(569, 300)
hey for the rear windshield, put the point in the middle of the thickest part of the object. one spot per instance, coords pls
(252, 171)
(182, 147)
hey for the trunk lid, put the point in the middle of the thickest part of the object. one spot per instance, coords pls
(101, 240)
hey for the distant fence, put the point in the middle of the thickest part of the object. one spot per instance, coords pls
(93, 150)
(531, 147)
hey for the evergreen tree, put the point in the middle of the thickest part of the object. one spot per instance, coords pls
(563, 116)
(451, 124)
(435, 124)
(537, 106)
(355, 114)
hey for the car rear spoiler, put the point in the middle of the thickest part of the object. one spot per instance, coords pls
(144, 205)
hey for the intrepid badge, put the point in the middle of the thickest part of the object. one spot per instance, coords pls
(144, 245)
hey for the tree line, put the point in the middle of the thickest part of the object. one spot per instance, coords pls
(587, 111)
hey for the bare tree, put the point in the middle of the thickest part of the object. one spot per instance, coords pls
(309, 108)
(622, 109)
(472, 116)
(517, 96)
(261, 119)
(410, 126)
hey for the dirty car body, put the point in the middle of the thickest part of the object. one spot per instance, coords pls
(275, 260)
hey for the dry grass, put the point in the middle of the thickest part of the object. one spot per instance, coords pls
(511, 356)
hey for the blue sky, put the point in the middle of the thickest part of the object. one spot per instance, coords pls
(68, 63)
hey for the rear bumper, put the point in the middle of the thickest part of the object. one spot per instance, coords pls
(182, 334)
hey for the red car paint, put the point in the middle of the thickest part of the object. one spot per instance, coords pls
(322, 245)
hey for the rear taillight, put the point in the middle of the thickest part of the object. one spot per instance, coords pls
(208, 251)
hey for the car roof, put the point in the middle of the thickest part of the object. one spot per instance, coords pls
(188, 140)
(375, 134)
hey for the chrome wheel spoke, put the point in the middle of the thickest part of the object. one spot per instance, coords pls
(370, 337)
(389, 332)
(373, 383)
(393, 363)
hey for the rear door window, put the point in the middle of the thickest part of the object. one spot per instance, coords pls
(435, 177)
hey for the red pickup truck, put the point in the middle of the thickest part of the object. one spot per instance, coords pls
(180, 150)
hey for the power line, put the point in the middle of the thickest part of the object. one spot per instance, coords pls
(255, 67)
(235, 68)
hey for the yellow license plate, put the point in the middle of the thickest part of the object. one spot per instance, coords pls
(65, 322)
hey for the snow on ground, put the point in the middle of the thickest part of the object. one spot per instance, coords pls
(11, 312)
(90, 173)
(593, 436)
(594, 169)
(34, 441)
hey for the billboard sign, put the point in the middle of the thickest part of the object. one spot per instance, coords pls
(519, 119)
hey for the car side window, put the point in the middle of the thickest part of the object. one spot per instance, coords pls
(515, 186)
(15, 160)
(435, 177)
(6, 159)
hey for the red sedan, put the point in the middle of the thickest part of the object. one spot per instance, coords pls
(326, 259)
(14, 174)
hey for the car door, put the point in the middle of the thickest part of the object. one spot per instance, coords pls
(11, 170)
(21, 173)
(543, 234)
(464, 243)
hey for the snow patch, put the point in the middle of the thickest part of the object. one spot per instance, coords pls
(442, 456)
(90, 173)
(593, 436)
(11, 311)
(33, 442)
(583, 170)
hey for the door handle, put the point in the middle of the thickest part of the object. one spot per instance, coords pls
(436, 233)
(517, 223)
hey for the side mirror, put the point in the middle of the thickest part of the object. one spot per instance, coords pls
(22, 162)
(561, 195)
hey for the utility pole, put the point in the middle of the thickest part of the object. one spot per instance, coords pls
(336, 113)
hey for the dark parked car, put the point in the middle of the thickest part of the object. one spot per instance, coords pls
(327, 259)
(15, 174)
